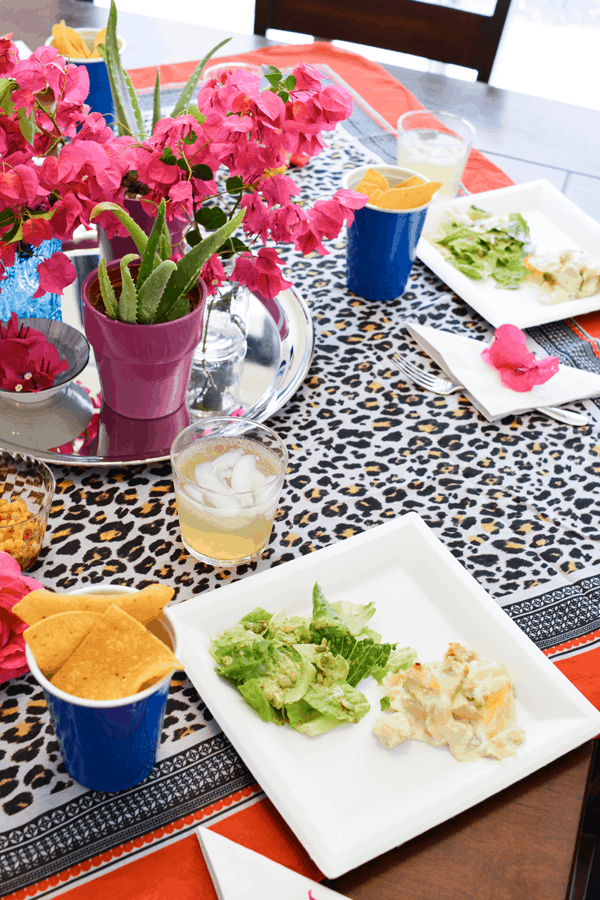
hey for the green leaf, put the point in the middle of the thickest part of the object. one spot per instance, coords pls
(149, 257)
(234, 184)
(211, 217)
(203, 172)
(165, 243)
(193, 238)
(156, 114)
(128, 298)
(151, 291)
(6, 89)
(190, 139)
(254, 697)
(7, 217)
(27, 125)
(180, 308)
(139, 238)
(186, 94)
(188, 269)
(168, 157)
(232, 246)
(109, 298)
(384, 703)
(127, 108)
(290, 83)
(195, 112)
(284, 96)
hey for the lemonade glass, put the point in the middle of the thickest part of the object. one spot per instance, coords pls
(228, 473)
(436, 144)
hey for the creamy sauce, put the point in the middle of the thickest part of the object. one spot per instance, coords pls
(464, 702)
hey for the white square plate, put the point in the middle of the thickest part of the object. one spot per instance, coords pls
(346, 797)
(555, 223)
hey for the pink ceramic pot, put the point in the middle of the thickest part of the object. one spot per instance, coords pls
(144, 369)
(118, 247)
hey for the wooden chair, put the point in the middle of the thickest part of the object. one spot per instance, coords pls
(439, 33)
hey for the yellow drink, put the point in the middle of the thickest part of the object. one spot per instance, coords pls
(227, 490)
(435, 154)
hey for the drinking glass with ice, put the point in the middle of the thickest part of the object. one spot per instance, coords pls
(228, 474)
(436, 144)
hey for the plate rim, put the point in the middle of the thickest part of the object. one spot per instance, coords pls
(461, 285)
(586, 724)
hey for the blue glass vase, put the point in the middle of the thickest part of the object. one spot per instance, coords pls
(21, 283)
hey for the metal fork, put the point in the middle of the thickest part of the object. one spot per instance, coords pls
(440, 385)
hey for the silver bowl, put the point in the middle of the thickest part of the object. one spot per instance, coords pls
(71, 345)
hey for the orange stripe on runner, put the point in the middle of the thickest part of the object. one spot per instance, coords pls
(576, 326)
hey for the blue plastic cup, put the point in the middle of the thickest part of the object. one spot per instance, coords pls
(110, 745)
(382, 243)
(99, 98)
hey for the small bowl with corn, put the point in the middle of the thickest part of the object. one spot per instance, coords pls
(26, 492)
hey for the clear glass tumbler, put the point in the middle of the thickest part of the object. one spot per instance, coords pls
(436, 144)
(228, 473)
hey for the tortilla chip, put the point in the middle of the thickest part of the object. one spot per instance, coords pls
(53, 640)
(372, 179)
(408, 197)
(115, 660)
(144, 605)
(409, 182)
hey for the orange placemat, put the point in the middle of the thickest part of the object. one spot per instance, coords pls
(178, 871)
(371, 81)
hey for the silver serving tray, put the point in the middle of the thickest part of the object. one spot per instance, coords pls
(280, 348)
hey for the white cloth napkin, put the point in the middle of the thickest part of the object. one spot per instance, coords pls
(460, 358)
(242, 874)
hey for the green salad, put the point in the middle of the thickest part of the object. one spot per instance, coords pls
(481, 245)
(304, 672)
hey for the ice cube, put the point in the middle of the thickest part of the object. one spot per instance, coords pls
(217, 492)
(258, 479)
(194, 493)
(225, 463)
(242, 474)
(201, 470)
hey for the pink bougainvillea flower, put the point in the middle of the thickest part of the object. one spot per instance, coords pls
(37, 230)
(28, 362)
(261, 272)
(55, 274)
(517, 366)
(13, 587)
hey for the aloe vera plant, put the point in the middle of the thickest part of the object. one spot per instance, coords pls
(159, 292)
(128, 113)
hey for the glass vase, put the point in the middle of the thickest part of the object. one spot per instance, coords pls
(22, 282)
(214, 386)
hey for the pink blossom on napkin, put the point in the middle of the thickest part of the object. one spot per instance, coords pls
(517, 366)
(13, 587)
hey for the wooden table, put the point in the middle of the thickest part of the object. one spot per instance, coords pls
(524, 840)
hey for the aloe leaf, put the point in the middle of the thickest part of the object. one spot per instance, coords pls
(186, 94)
(141, 131)
(188, 269)
(109, 298)
(156, 105)
(127, 107)
(166, 249)
(180, 309)
(125, 219)
(152, 290)
(128, 299)
(149, 256)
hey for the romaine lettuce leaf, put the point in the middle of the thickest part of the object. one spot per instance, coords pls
(398, 661)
